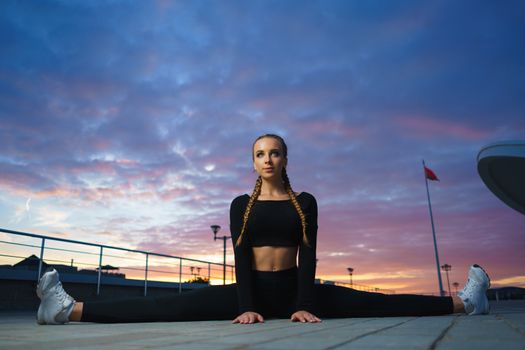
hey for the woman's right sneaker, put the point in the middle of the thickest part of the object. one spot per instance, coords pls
(55, 305)
(474, 294)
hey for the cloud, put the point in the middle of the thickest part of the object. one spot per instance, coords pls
(424, 128)
(140, 134)
(517, 281)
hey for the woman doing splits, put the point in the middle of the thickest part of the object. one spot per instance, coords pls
(269, 229)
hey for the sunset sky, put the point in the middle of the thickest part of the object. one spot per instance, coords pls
(130, 123)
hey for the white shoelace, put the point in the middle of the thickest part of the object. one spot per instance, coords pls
(470, 288)
(62, 295)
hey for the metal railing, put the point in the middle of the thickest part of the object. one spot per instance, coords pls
(101, 252)
(361, 287)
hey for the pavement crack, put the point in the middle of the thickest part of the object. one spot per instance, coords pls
(305, 332)
(443, 333)
(510, 324)
(366, 335)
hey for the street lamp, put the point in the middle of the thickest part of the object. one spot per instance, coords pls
(194, 275)
(447, 268)
(456, 285)
(350, 273)
(215, 229)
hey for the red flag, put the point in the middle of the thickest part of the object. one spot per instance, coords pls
(430, 174)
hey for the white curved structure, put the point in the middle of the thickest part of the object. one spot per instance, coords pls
(502, 168)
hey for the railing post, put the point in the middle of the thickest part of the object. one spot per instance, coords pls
(41, 258)
(99, 270)
(224, 261)
(209, 273)
(146, 277)
(180, 275)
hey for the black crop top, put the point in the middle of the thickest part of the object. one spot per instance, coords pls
(274, 223)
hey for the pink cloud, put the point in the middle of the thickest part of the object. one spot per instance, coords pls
(428, 127)
(398, 242)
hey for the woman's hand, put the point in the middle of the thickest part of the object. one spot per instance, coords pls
(304, 316)
(249, 317)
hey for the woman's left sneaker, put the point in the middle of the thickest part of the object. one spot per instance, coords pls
(55, 305)
(474, 294)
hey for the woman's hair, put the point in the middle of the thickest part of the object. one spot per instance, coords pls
(257, 191)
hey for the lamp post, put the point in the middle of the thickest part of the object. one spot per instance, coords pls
(350, 273)
(447, 268)
(194, 275)
(456, 285)
(215, 229)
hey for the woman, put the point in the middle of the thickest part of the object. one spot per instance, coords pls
(269, 229)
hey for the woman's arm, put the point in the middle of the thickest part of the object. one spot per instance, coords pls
(307, 256)
(243, 255)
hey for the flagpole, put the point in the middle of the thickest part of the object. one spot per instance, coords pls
(441, 292)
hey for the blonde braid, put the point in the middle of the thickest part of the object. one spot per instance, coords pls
(291, 193)
(257, 191)
(253, 198)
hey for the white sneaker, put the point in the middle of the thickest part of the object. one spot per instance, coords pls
(55, 305)
(474, 294)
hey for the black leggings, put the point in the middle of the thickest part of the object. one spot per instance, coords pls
(275, 297)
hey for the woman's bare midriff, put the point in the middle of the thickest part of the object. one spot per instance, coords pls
(270, 258)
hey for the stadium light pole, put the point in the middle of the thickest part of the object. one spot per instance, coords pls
(456, 285)
(447, 268)
(350, 273)
(215, 229)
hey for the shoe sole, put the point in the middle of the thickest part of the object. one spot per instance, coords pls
(39, 318)
(42, 282)
(485, 274)
(484, 312)
(482, 274)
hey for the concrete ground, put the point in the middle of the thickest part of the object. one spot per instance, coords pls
(503, 329)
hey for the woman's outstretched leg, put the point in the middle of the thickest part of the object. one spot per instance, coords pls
(334, 301)
(340, 302)
(208, 303)
(76, 314)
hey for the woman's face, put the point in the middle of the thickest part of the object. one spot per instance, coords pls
(268, 158)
